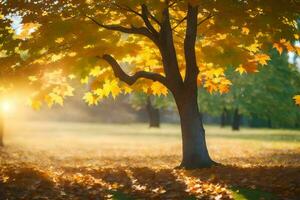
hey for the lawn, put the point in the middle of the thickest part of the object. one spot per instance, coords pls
(114, 161)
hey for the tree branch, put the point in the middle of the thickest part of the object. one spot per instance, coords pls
(151, 16)
(205, 19)
(172, 4)
(168, 51)
(132, 30)
(179, 22)
(119, 73)
(127, 8)
(145, 13)
(189, 45)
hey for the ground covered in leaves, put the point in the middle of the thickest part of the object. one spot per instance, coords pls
(92, 161)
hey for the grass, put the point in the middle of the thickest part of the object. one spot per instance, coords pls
(133, 143)
(251, 194)
(237, 193)
(264, 159)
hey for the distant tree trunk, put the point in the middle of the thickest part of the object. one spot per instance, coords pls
(153, 114)
(236, 120)
(269, 122)
(224, 116)
(1, 130)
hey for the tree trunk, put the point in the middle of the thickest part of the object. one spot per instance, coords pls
(269, 122)
(194, 148)
(1, 130)
(153, 114)
(224, 117)
(236, 120)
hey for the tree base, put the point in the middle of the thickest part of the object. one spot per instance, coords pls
(154, 126)
(199, 165)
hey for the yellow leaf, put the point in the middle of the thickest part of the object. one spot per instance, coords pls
(49, 101)
(241, 69)
(84, 80)
(90, 99)
(210, 86)
(278, 47)
(72, 54)
(111, 87)
(89, 1)
(245, 30)
(218, 72)
(145, 89)
(261, 58)
(27, 30)
(59, 40)
(68, 91)
(297, 50)
(56, 98)
(224, 88)
(297, 99)
(96, 71)
(99, 92)
(35, 104)
(288, 46)
(159, 89)
(255, 47)
(127, 89)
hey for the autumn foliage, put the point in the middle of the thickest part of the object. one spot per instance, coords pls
(236, 34)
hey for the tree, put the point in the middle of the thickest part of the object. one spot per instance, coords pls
(269, 91)
(174, 45)
(152, 104)
(262, 95)
(153, 113)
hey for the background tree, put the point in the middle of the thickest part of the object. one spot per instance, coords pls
(275, 82)
(174, 45)
(260, 96)
(152, 104)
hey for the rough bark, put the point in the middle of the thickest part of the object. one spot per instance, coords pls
(194, 149)
(236, 120)
(153, 114)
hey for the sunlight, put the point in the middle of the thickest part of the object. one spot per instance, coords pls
(7, 106)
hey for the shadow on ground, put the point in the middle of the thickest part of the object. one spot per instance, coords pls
(29, 182)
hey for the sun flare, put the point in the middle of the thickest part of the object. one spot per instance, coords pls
(6, 106)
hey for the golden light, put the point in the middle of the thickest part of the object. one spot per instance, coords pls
(6, 106)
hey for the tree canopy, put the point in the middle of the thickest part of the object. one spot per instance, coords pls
(48, 43)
